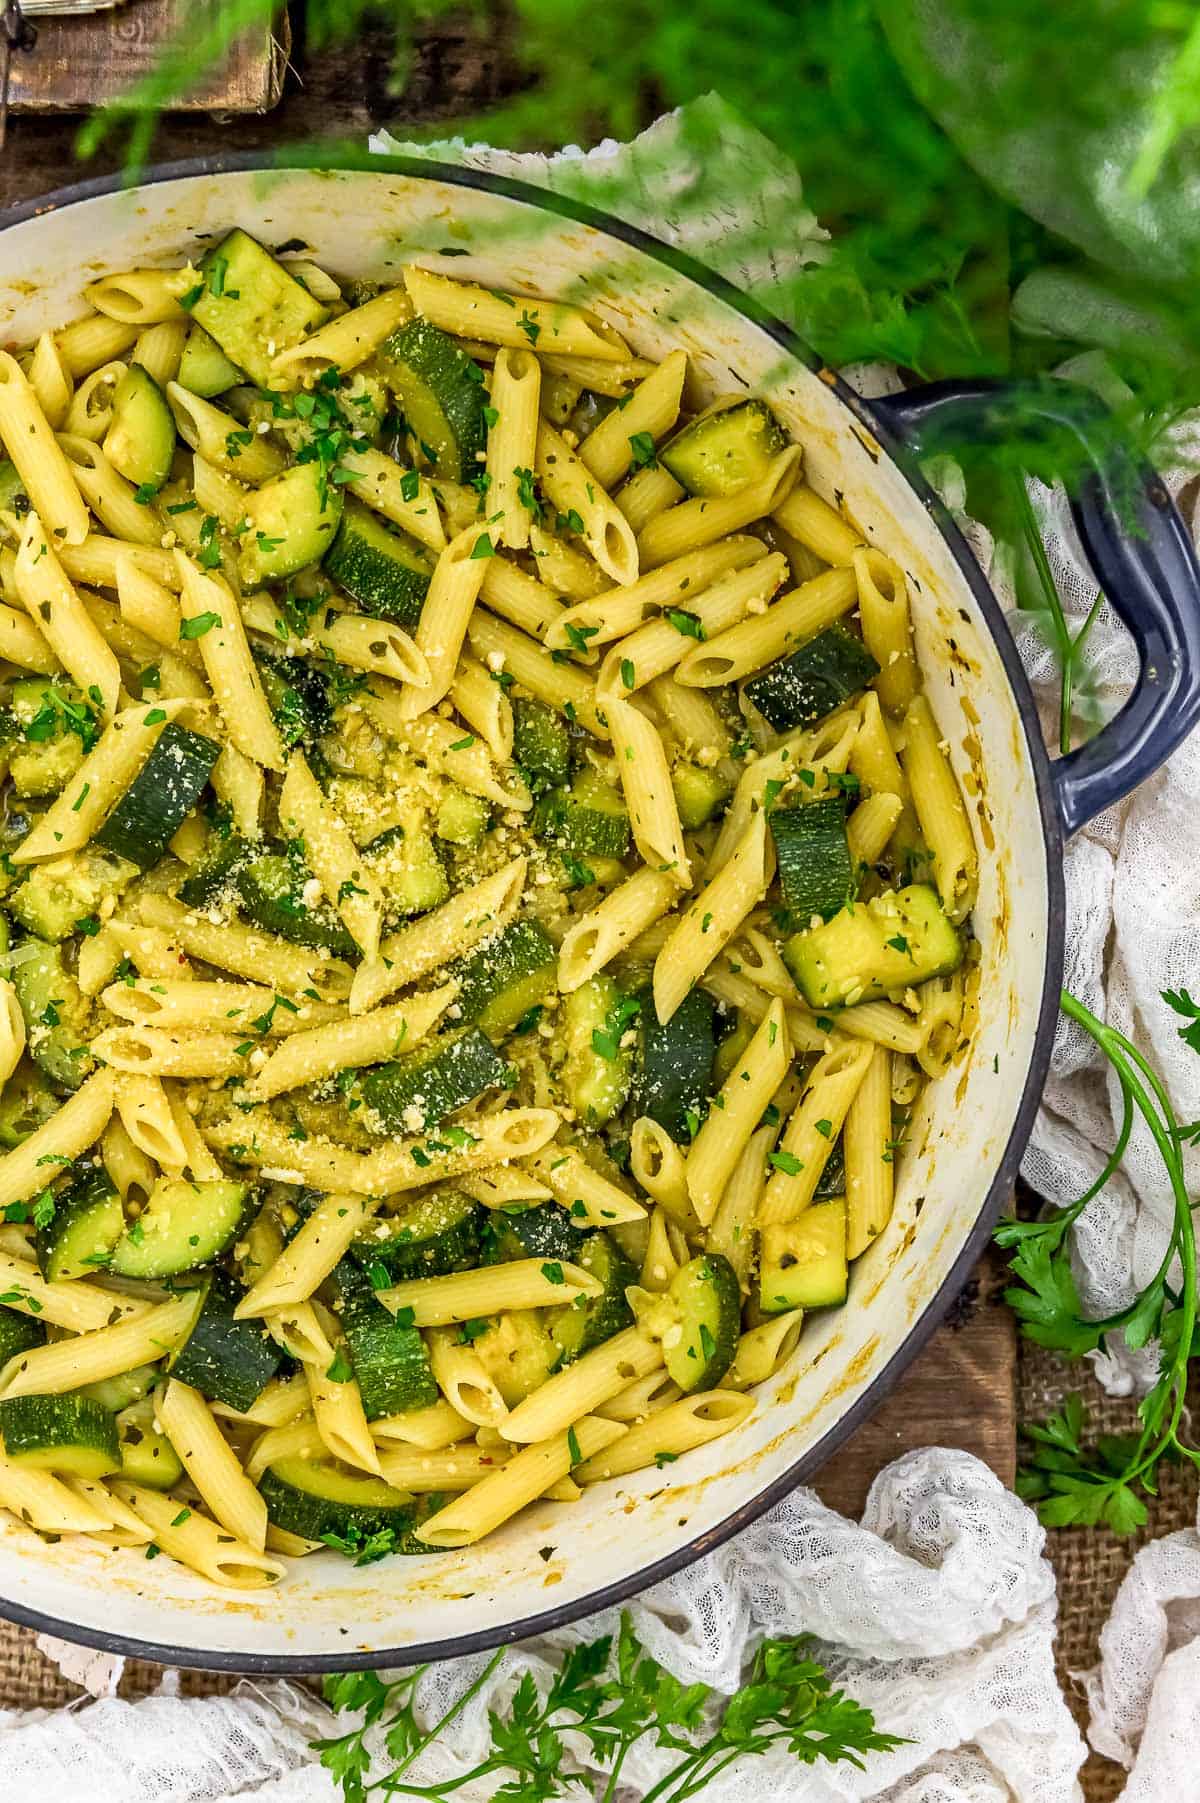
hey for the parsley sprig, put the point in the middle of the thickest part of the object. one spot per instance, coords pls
(1073, 1485)
(611, 1697)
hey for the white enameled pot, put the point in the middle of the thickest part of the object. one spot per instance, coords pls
(964, 1146)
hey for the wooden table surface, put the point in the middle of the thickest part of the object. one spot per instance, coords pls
(961, 1391)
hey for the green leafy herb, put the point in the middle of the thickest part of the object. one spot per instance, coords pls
(341, 1370)
(689, 624)
(642, 446)
(197, 625)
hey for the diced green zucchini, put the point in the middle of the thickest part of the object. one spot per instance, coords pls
(140, 441)
(317, 1500)
(215, 870)
(26, 1103)
(893, 941)
(462, 819)
(18, 1333)
(161, 795)
(584, 1323)
(60, 892)
(54, 1011)
(251, 306)
(271, 892)
(541, 745)
(815, 869)
(71, 1434)
(390, 1362)
(292, 522)
(598, 1069)
(504, 977)
(228, 1361)
(147, 1456)
(449, 1070)
(518, 1354)
(699, 794)
(13, 498)
(813, 681)
(802, 1263)
(117, 1393)
(675, 1061)
(440, 391)
(53, 718)
(545, 1230)
(724, 450)
(704, 1296)
(45, 767)
(88, 1221)
(383, 569)
(404, 862)
(183, 1225)
(298, 697)
(590, 816)
(731, 1047)
(436, 1235)
(204, 369)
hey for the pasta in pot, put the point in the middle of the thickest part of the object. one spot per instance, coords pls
(476, 918)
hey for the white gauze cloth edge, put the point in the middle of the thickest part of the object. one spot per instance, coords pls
(984, 1713)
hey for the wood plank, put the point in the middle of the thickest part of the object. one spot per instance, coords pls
(961, 1391)
(84, 61)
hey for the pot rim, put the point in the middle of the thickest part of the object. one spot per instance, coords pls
(809, 1463)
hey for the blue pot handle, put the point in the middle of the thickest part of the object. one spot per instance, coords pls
(1139, 550)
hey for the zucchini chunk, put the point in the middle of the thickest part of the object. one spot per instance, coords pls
(504, 977)
(675, 1061)
(57, 894)
(147, 1456)
(226, 1360)
(518, 1354)
(204, 369)
(590, 816)
(298, 698)
(252, 306)
(405, 864)
(54, 1012)
(161, 795)
(215, 869)
(724, 450)
(27, 1103)
(541, 745)
(544, 1230)
(55, 724)
(140, 442)
(291, 523)
(18, 1333)
(117, 1393)
(13, 498)
(440, 391)
(699, 794)
(813, 681)
(893, 941)
(390, 1362)
(584, 1323)
(597, 1072)
(462, 819)
(88, 1221)
(816, 873)
(183, 1225)
(71, 1434)
(317, 1500)
(802, 1263)
(707, 1303)
(417, 1093)
(380, 567)
(271, 892)
(436, 1235)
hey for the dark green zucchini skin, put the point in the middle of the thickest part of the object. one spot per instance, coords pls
(381, 568)
(440, 390)
(226, 1360)
(541, 745)
(34, 1428)
(215, 868)
(390, 1362)
(505, 976)
(814, 680)
(446, 1073)
(161, 795)
(271, 892)
(18, 1333)
(298, 698)
(545, 1231)
(440, 1233)
(313, 1517)
(581, 1325)
(816, 873)
(675, 1060)
(86, 1224)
